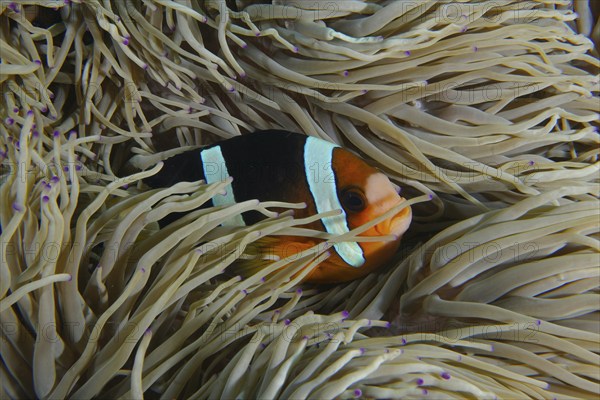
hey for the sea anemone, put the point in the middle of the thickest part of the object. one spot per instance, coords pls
(488, 108)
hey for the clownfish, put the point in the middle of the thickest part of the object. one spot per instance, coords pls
(275, 165)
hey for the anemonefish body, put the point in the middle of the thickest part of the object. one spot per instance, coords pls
(277, 165)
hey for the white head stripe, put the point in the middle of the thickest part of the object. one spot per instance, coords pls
(215, 170)
(318, 157)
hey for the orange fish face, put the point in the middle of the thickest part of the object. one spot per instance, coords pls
(365, 194)
(373, 198)
(380, 198)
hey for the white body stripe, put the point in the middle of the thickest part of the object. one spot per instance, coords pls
(318, 157)
(215, 170)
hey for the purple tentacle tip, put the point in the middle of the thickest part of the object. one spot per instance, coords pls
(70, 278)
(143, 270)
(263, 279)
(357, 392)
(45, 199)
(430, 197)
(420, 381)
(38, 62)
(424, 391)
(145, 66)
(54, 179)
(9, 121)
(66, 168)
(531, 163)
(231, 89)
(78, 167)
(299, 291)
(407, 53)
(56, 134)
(29, 113)
(538, 322)
(295, 49)
(475, 48)
(345, 314)
(17, 207)
(287, 322)
(346, 73)
(388, 324)
(35, 133)
(464, 29)
(15, 109)
(403, 341)
(362, 350)
(126, 42)
(445, 375)
(277, 311)
(13, 6)
(364, 91)
(305, 337)
(125, 186)
(369, 322)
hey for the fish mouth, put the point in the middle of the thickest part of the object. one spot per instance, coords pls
(396, 225)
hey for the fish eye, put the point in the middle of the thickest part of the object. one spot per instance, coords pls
(353, 200)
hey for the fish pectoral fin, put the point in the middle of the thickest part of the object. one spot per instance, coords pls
(265, 251)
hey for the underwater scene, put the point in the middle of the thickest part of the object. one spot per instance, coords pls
(232, 199)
